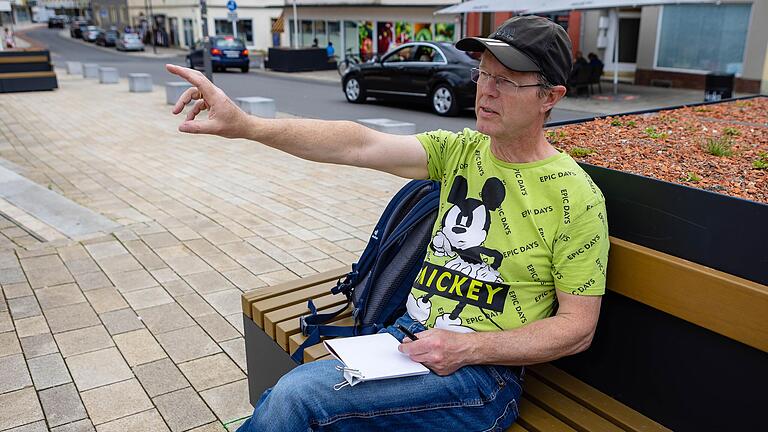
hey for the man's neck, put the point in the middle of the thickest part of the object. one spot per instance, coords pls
(530, 146)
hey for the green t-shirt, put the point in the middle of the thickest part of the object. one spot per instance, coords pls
(506, 236)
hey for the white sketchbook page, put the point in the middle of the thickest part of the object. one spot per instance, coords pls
(376, 356)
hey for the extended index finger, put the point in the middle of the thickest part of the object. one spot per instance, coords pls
(194, 77)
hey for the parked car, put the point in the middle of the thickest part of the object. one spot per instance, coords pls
(226, 52)
(76, 28)
(58, 21)
(129, 42)
(435, 72)
(107, 38)
(90, 33)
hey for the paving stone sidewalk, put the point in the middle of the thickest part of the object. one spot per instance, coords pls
(140, 329)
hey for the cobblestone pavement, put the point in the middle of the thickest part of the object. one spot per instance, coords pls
(140, 329)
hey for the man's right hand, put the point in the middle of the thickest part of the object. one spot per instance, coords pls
(224, 117)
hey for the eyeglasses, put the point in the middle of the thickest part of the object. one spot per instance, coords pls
(503, 85)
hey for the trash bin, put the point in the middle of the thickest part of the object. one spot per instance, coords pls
(718, 86)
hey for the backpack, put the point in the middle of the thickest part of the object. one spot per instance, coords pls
(380, 282)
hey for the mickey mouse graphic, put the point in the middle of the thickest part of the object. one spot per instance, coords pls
(464, 230)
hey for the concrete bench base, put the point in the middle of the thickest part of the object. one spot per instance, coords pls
(258, 106)
(389, 126)
(174, 90)
(108, 75)
(74, 68)
(90, 70)
(139, 83)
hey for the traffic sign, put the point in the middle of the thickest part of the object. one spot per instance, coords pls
(231, 5)
(232, 16)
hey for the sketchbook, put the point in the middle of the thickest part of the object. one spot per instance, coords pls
(372, 357)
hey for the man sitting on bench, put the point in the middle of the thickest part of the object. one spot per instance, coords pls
(516, 267)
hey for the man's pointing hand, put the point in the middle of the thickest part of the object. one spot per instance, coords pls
(224, 117)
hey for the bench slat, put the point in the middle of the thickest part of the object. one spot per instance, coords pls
(297, 310)
(17, 75)
(569, 411)
(535, 419)
(731, 306)
(24, 59)
(609, 408)
(516, 428)
(249, 297)
(299, 296)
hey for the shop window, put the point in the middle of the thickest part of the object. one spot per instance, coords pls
(422, 31)
(334, 35)
(445, 32)
(365, 33)
(306, 36)
(385, 34)
(351, 38)
(703, 37)
(403, 32)
(244, 29)
(320, 35)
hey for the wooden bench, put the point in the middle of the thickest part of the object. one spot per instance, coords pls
(29, 70)
(555, 400)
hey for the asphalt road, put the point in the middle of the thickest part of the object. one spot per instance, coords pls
(293, 95)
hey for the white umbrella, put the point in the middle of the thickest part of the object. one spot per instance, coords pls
(546, 6)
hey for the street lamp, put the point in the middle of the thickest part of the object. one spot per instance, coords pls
(152, 28)
(206, 41)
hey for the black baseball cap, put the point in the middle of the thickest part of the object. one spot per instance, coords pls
(528, 44)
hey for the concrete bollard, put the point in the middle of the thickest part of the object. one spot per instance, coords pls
(173, 91)
(258, 106)
(90, 70)
(74, 68)
(108, 75)
(389, 126)
(139, 83)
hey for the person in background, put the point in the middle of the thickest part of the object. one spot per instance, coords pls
(594, 60)
(314, 43)
(330, 50)
(578, 63)
(8, 38)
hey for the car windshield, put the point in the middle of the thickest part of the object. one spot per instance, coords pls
(229, 44)
(131, 36)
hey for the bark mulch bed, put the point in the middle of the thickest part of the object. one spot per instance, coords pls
(721, 148)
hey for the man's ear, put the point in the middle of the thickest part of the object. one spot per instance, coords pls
(553, 97)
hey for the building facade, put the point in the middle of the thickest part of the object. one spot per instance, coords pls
(671, 46)
(364, 27)
(177, 23)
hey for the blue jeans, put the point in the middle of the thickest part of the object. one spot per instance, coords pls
(474, 398)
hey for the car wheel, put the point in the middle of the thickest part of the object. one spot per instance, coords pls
(354, 90)
(444, 101)
(245, 69)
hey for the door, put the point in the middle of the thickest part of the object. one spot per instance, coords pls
(388, 76)
(417, 73)
(189, 34)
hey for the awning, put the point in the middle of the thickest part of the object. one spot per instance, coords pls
(279, 25)
(519, 6)
(544, 6)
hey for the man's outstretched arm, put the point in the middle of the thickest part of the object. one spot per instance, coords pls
(338, 142)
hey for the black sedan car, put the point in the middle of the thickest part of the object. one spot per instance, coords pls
(226, 52)
(433, 71)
